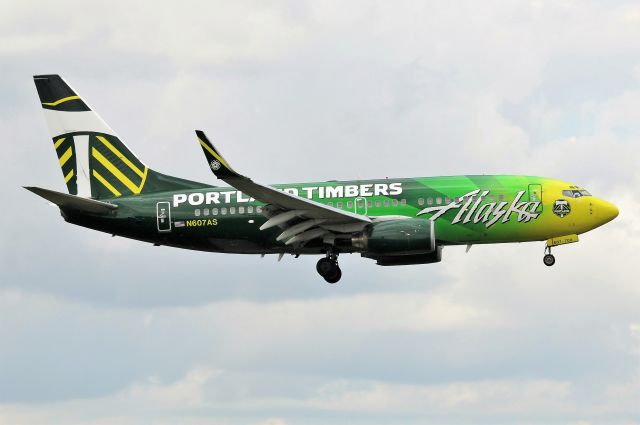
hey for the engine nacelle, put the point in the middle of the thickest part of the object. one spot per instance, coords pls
(396, 238)
(405, 260)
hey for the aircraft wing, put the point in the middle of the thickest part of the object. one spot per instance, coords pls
(302, 219)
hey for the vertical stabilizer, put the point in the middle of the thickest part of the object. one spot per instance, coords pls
(95, 163)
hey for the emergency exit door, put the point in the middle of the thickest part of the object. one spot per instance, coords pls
(535, 194)
(360, 205)
(163, 216)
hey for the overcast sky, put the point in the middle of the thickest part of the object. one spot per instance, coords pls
(101, 330)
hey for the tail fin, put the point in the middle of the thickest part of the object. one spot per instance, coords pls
(94, 161)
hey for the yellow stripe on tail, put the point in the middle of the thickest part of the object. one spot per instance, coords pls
(59, 101)
(68, 176)
(65, 156)
(121, 156)
(106, 183)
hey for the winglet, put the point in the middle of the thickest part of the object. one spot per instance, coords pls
(217, 163)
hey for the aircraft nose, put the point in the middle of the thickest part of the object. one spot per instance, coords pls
(606, 211)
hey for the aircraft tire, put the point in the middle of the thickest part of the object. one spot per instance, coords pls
(336, 277)
(325, 267)
(329, 270)
(549, 260)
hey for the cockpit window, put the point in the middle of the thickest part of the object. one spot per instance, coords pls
(575, 193)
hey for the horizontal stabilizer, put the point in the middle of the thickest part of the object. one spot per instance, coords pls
(73, 202)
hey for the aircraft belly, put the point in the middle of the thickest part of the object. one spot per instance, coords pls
(462, 234)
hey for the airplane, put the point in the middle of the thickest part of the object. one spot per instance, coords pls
(394, 221)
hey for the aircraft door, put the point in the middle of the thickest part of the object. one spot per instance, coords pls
(535, 194)
(163, 216)
(360, 205)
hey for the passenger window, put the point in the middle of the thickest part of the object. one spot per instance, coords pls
(197, 212)
(386, 203)
(429, 201)
(214, 211)
(232, 210)
(330, 203)
(240, 210)
(258, 209)
(420, 201)
(369, 204)
(501, 197)
(403, 202)
(250, 209)
(395, 202)
(339, 204)
(223, 211)
(349, 204)
(447, 200)
(492, 198)
(205, 212)
(378, 204)
(439, 200)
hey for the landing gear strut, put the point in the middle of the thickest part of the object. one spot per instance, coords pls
(328, 268)
(548, 259)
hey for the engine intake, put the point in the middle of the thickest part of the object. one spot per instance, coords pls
(397, 238)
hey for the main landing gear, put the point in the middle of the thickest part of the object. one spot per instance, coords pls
(328, 268)
(548, 259)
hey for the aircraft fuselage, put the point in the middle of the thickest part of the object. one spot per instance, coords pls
(465, 210)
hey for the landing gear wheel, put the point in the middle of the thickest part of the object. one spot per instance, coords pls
(549, 260)
(328, 268)
(336, 277)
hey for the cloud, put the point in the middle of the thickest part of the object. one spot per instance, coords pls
(487, 396)
(186, 392)
(245, 31)
(231, 331)
(197, 398)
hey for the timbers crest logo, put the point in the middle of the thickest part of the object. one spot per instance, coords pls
(215, 165)
(561, 208)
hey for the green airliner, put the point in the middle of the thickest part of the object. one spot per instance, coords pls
(397, 221)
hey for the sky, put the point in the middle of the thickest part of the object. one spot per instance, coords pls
(102, 330)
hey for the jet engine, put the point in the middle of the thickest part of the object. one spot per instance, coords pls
(399, 242)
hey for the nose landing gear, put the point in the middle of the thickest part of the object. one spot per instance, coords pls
(328, 268)
(548, 259)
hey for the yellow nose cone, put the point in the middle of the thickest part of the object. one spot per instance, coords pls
(606, 211)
